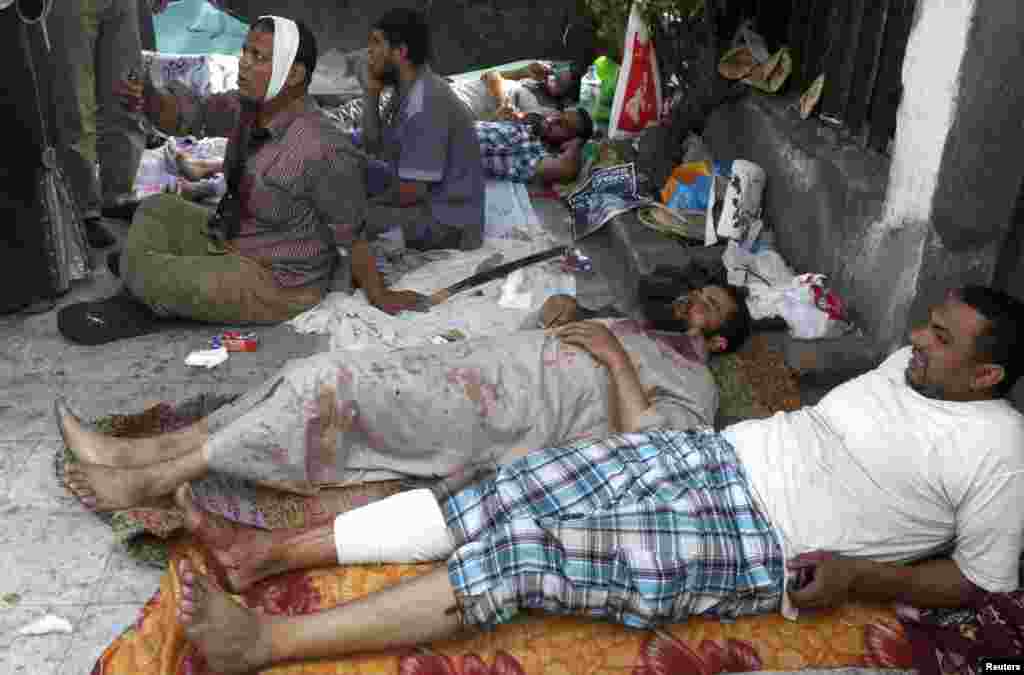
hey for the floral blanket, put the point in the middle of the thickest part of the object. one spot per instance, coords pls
(853, 635)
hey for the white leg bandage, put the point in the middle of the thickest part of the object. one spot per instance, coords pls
(404, 528)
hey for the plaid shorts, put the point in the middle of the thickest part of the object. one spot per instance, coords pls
(642, 529)
(509, 151)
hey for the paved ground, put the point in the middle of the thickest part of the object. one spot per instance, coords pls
(56, 558)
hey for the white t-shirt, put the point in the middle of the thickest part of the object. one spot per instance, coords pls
(876, 470)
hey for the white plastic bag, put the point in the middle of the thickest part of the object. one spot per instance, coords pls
(812, 310)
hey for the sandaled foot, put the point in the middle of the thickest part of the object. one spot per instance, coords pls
(244, 555)
(232, 639)
(109, 488)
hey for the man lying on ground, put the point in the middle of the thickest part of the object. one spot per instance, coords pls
(514, 89)
(425, 138)
(523, 147)
(428, 411)
(300, 193)
(921, 456)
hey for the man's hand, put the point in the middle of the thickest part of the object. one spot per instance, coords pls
(595, 338)
(506, 113)
(394, 302)
(538, 71)
(831, 579)
(558, 310)
(130, 94)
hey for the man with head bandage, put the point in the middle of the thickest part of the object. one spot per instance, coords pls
(285, 233)
(425, 139)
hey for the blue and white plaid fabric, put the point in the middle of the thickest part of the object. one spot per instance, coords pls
(642, 529)
(509, 150)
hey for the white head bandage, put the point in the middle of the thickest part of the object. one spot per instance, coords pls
(286, 44)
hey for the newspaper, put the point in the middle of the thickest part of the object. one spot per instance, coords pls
(609, 192)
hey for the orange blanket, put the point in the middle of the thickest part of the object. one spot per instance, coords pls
(854, 635)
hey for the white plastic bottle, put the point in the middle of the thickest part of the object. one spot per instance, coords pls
(590, 91)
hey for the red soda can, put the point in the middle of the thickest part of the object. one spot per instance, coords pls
(236, 341)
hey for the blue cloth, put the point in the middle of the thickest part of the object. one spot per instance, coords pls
(197, 27)
(510, 151)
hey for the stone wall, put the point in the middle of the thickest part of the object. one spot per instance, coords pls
(468, 34)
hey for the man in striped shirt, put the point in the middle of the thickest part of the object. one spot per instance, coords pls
(292, 229)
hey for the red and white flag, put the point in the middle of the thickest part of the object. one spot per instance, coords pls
(637, 103)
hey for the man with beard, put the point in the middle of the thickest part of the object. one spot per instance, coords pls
(429, 410)
(296, 194)
(434, 189)
(918, 461)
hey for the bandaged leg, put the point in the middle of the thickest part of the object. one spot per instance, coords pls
(405, 528)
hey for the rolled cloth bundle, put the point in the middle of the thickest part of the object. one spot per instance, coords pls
(286, 44)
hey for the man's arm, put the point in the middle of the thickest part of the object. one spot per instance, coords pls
(563, 167)
(935, 583)
(628, 404)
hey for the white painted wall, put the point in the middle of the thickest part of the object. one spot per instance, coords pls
(931, 74)
(931, 77)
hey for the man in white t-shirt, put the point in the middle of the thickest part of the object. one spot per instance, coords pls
(921, 458)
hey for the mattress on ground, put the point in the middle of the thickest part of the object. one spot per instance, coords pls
(852, 635)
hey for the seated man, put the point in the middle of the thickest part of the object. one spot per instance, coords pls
(426, 138)
(522, 147)
(430, 410)
(814, 507)
(298, 194)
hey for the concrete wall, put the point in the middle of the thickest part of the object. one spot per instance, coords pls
(823, 196)
(977, 185)
(468, 34)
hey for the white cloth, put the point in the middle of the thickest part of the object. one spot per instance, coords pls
(512, 229)
(404, 528)
(877, 470)
(286, 44)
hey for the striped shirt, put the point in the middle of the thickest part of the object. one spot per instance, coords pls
(306, 173)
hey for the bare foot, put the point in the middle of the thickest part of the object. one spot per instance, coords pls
(109, 488)
(88, 445)
(246, 555)
(233, 639)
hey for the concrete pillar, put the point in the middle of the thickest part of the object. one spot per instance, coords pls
(955, 166)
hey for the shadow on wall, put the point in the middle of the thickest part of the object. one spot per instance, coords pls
(468, 34)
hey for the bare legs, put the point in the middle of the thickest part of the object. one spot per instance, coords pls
(236, 640)
(248, 555)
(111, 488)
(96, 448)
(118, 473)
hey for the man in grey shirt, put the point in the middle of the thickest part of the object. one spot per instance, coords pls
(434, 186)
